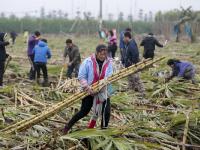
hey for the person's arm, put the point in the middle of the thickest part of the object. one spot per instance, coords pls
(121, 41)
(133, 53)
(65, 54)
(4, 43)
(83, 76)
(48, 53)
(34, 51)
(158, 43)
(142, 43)
(181, 73)
(76, 55)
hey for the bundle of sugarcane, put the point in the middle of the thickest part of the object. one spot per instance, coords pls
(27, 123)
(70, 86)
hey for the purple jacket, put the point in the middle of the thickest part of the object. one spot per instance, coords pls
(181, 67)
(31, 44)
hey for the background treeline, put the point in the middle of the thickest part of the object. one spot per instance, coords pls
(162, 23)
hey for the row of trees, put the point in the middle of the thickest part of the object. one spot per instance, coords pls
(68, 26)
(57, 21)
(59, 14)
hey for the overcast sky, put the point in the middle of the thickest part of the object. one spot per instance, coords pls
(19, 7)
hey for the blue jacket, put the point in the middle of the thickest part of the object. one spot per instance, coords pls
(86, 70)
(131, 53)
(180, 68)
(41, 52)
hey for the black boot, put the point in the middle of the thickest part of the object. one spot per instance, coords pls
(45, 83)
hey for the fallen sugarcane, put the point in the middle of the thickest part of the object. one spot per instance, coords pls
(52, 110)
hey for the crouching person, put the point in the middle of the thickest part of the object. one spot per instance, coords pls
(41, 54)
(93, 69)
(181, 69)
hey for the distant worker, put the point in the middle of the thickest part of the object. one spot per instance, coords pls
(3, 55)
(121, 44)
(112, 44)
(181, 69)
(32, 41)
(149, 43)
(13, 36)
(72, 51)
(41, 54)
(132, 57)
(26, 36)
(94, 68)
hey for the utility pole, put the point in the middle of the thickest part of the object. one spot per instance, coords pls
(100, 15)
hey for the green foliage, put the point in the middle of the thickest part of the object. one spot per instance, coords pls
(64, 25)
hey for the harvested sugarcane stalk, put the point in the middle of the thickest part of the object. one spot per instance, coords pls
(61, 75)
(22, 94)
(27, 123)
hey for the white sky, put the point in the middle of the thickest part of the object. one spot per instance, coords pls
(19, 7)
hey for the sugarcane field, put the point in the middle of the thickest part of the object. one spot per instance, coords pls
(100, 75)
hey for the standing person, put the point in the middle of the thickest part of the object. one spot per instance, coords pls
(26, 35)
(121, 44)
(181, 69)
(3, 55)
(41, 54)
(149, 43)
(13, 36)
(72, 51)
(33, 40)
(112, 44)
(132, 57)
(93, 69)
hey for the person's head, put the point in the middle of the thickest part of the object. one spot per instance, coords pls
(128, 30)
(127, 37)
(172, 62)
(37, 34)
(44, 40)
(69, 43)
(111, 33)
(101, 52)
(151, 34)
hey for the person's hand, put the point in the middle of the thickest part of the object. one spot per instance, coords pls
(9, 41)
(70, 63)
(37, 38)
(89, 90)
(167, 79)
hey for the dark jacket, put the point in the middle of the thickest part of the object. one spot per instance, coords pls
(32, 41)
(131, 53)
(149, 43)
(74, 54)
(3, 43)
(13, 34)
